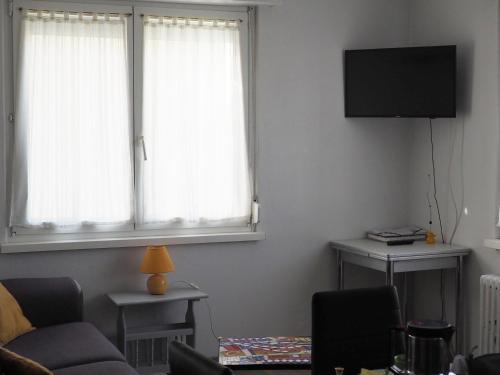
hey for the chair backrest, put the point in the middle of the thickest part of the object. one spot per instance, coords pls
(184, 360)
(353, 329)
(488, 364)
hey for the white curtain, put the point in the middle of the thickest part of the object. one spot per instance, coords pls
(72, 162)
(196, 172)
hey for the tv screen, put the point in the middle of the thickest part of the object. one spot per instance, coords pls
(400, 82)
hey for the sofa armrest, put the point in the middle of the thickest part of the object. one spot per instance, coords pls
(48, 301)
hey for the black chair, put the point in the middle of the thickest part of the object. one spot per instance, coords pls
(488, 364)
(184, 360)
(353, 329)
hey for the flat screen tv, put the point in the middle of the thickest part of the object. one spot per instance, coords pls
(400, 82)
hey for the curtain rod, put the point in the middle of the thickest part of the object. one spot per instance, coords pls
(73, 12)
(192, 18)
(219, 2)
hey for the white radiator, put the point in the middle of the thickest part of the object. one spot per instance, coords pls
(489, 314)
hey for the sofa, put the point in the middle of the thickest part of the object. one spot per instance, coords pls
(62, 342)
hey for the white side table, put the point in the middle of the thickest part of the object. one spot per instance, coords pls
(186, 329)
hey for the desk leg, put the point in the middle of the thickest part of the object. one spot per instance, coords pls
(191, 339)
(405, 298)
(340, 271)
(458, 298)
(121, 329)
(389, 273)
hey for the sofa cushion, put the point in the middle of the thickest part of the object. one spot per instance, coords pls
(65, 345)
(13, 323)
(98, 368)
(13, 364)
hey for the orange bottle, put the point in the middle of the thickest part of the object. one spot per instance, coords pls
(430, 238)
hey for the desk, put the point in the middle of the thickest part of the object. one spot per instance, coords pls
(129, 299)
(404, 258)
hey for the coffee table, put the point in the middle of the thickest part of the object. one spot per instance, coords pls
(277, 352)
(272, 372)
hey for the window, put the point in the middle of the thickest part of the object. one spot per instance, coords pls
(193, 121)
(72, 151)
(133, 137)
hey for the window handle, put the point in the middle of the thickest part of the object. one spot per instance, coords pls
(143, 144)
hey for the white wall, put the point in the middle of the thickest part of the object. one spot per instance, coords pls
(473, 27)
(321, 177)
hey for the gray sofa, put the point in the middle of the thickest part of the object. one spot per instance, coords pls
(62, 342)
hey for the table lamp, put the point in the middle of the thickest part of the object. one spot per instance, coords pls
(157, 261)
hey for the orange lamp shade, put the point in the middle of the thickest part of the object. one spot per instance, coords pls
(157, 260)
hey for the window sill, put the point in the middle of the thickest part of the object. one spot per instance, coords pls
(492, 243)
(105, 243)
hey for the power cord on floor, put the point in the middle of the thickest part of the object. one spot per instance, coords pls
(209, 308)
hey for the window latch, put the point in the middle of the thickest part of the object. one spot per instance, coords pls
(143, 145)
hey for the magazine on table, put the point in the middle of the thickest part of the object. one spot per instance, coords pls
(414, 233)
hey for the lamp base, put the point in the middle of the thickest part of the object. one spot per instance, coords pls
(157, 284)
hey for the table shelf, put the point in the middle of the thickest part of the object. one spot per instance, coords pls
(159, 331)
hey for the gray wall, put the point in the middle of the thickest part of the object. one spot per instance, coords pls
(473, 26)
(321, 177)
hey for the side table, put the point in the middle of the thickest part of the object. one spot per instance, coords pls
(186, 329)
(418, 256)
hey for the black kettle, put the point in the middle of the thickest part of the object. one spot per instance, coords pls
(422, 348)
(428, 347)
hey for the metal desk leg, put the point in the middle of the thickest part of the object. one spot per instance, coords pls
(389, 273)
(191, 339)
(340, 271)
(405, 298)
(121, 329)
(458, 307)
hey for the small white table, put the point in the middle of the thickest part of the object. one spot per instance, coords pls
(186, 329)
(418, 256)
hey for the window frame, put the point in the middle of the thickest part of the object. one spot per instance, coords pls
(18, 5)
(176, 11)
(134, 50)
